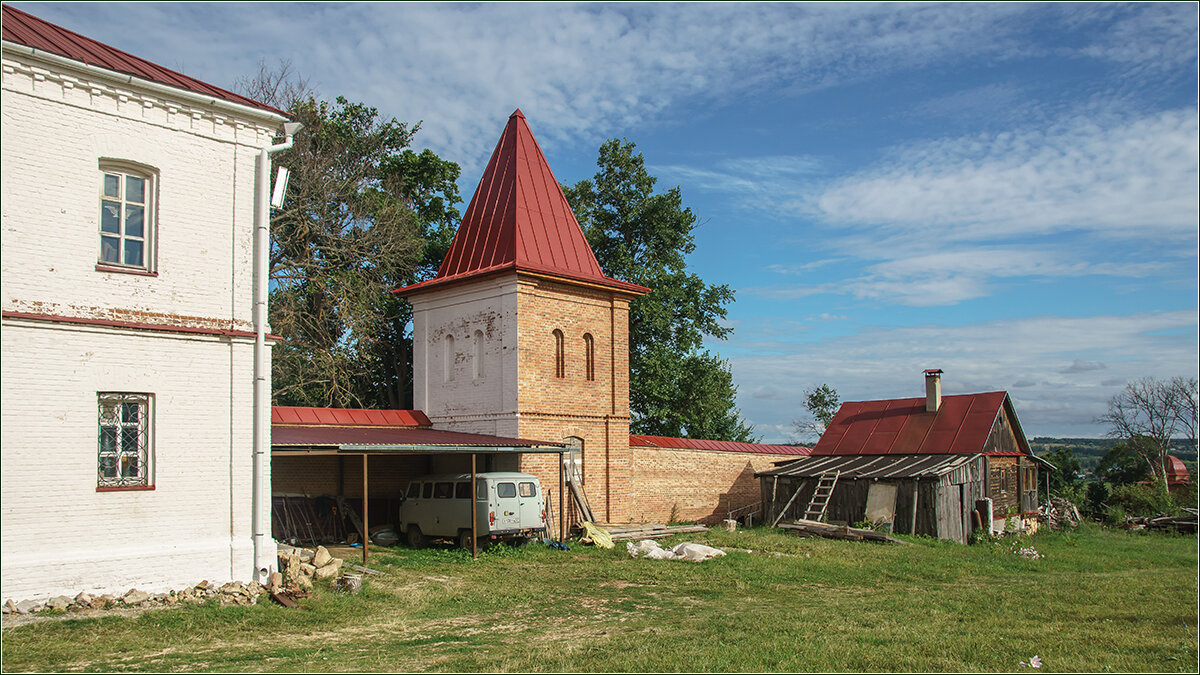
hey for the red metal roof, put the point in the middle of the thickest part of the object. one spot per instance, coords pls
(519, 219)
(26, 29)
(284, 436)
(347, 417)
(902, 426)
(639, 440)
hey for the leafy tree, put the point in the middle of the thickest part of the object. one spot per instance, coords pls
(1127, 462)
(640, 236)
(821, 404)
(364, 214)
(1066, 480)
(1148, 413)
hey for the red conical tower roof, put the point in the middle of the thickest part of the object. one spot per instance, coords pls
(519, 219)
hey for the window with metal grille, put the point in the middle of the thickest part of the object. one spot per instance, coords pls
(126, 217)
(125, 443)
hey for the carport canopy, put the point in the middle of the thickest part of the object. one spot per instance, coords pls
(330, 431)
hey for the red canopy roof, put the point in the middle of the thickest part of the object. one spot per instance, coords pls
(303, 427)
(638, 440)
(519, 219)
(902, 426)
(26, 29)
(282, 414)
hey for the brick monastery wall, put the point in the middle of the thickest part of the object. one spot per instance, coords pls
(697, 485)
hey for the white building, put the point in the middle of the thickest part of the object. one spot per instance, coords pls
(128, 216)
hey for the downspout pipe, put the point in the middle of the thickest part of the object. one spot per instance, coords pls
(264, 546)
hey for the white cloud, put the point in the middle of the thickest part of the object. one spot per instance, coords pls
(1029, 355)
(1131, 179)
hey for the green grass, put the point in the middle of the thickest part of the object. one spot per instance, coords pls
(1100, 600)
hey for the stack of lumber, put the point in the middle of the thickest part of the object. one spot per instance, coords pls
(1185, 524)
(818, 529)
(649, 531)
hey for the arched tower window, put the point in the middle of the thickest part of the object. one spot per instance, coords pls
(448, 357)
(589, 352)
(477, 357)
(560, 357)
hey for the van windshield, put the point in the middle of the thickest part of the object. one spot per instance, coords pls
(414, 490)
(506, 490)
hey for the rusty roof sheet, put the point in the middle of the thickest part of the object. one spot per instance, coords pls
(854, 467)
(643, 441)
(519, 219)
(902, 426)
(347, 417)
(395, 438)
(26, 29)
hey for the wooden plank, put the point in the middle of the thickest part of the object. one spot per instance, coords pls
(786, 507)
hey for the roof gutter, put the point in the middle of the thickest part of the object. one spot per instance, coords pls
(427, 449)
(158, 88)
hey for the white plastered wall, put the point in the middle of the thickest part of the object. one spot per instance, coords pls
(59, 535)
(464, 402)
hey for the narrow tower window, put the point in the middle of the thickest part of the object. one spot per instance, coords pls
(448, 357)
(560, 358)
(477, 360)
(589, 351)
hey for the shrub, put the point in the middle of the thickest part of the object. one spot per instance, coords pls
(1143, 500)
(1095, 499)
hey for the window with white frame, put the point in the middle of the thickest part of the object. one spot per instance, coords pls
(125, 440)
(126, 216)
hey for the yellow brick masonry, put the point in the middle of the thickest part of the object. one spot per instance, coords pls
(694, 485)
(596, 411)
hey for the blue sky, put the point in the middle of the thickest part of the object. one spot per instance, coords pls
(1004, 191)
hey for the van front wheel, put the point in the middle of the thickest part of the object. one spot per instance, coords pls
(414, 537)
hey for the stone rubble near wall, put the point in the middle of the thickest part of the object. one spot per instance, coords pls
(299, 567)
(232, 593)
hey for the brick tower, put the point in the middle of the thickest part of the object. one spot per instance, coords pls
(521, 334)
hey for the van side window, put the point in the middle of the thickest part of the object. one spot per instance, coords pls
(443, 490)
(481, 489)
(462, 490)
(528, 489)
(506, 490)
(414, 490)
(428, 491)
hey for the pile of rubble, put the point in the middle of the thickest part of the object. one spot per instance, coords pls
(1060, 513)
(232, 593)
(301, 567)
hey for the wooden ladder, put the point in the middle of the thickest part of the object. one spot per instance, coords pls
(820, 498)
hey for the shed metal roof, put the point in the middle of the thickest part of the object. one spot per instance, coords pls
(391, 431)
(961, 425)
(348, 417)
(25, 29)
(519, 219)
(644, 441)
(854, 467)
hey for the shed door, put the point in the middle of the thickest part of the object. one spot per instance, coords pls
(881, 503)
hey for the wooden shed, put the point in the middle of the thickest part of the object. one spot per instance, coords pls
(924, 465)
(933, 495)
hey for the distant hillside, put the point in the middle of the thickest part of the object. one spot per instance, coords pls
(1091, 450)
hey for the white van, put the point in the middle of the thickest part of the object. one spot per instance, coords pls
(509, 506)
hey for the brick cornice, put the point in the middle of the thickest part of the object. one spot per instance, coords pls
(133, 325)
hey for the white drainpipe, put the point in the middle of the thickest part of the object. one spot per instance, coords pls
(264, 546)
